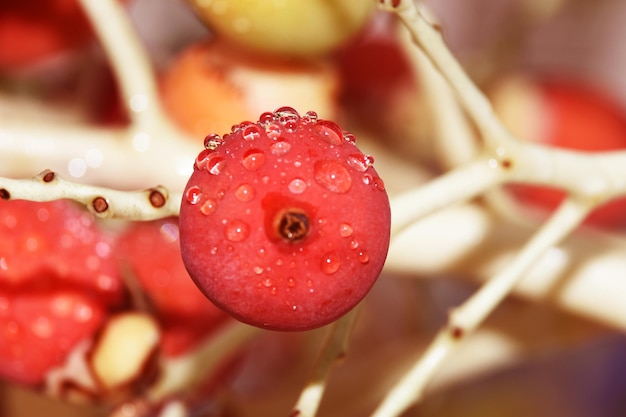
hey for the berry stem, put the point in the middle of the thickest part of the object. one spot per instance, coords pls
(128, 59)
(466, 318)
(334, 349)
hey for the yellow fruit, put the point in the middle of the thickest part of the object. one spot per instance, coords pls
(289, 27)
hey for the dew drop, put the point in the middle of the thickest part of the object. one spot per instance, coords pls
(202, 159)
(213, 250)
(345, 230)
(350, 138)
(245, 192)
(258, 270)
(367, 179)
(266, 118)
(215, 164)
(251, 132)
(236, 231)
(354, 244)
(364, 257)
(274, 291)
(267, 282)
(253, 159)
(272, 130)
(297, 186)
(291, 282)
(291, 126)
(378, 183)
(332, 175)
(280, 147)
(329, 132)
(330, 263)
(284, 114)
(208, 207)
(310, 116)
(193, 194)
(359, 162)
(212, 141)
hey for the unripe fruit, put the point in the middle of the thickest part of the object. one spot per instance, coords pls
(286, 27)
(284, 222)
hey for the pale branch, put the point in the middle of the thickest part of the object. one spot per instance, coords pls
(466, 318)
(129, 60)
(150, 204)
(463, 183)
(335, 349)
(598, 177)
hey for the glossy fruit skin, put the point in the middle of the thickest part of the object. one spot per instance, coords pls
(284, 223)
(58, 282)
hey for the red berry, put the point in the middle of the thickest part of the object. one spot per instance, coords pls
(151, 250)
(284, 222)
(58, 279)
(570, 116)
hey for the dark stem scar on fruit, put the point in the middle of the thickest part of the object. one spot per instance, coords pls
(5, 194)
(100, 204)
(287, 219)
(293, 224)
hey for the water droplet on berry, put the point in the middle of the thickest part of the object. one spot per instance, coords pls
(359, 162)
(349, 137)
(330, 263)
(329, 131)
(258, 270)
(251, 132)
(215, 164)
(253, 159)
(212, 141)
(280, 147)
(345, 230)
(267, 282)
(291, 282)
(354, 244)
(208, 207)
(236, 230)
(286, 113)
(297, 186)
(272, 130)
(332, 175)
(367, 179)
(310, 116)
(266, 118)
(364, 257)
(379, 183)
(245, 192)
(193, 194)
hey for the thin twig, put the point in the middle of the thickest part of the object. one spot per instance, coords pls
(150, 204)
(335, 349)
(464, 319)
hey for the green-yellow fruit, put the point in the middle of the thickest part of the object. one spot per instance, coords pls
(289, 27)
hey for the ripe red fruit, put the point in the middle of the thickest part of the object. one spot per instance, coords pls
(569, 116)
(284, 222)
(58, 279)
(151, 251)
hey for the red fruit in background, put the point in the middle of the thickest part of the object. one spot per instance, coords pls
(211, 86)
(31, 30)
(152, 252)
(57, 281)
(564, 115)
(284, 222)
